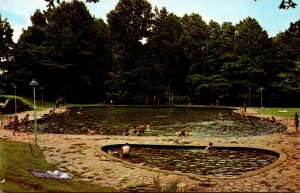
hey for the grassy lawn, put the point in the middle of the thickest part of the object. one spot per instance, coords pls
(276, 111)
(46, 104)
(29, 101)
(16, 162)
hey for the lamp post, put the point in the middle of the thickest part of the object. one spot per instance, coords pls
(42, 89)
(34, 83)
(249, 96)
(261, 98)
(15, 87)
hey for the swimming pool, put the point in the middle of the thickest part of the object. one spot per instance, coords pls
(164, 122)
(223, 161)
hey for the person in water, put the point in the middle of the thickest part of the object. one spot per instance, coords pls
(134, 130)
(209, 147)
(126, 133)
(126, 150)
(142, 128)
(182, 133)
(148, 126)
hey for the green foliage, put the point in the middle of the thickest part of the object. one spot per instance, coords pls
(7, 50)
(286, 4)
(142, 53)
(181, 100)
(172, 186)
(66, 53)
(157, 184)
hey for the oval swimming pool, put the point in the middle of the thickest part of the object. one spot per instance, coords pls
(223, 161)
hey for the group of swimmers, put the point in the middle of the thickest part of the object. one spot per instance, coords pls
(125, 150)
(138, 131)
(269, 120)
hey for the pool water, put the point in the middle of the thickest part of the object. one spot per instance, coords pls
(221, 162)
(164, 122)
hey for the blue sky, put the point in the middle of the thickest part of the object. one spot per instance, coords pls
(266, 12)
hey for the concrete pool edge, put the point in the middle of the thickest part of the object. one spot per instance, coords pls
(282, 158)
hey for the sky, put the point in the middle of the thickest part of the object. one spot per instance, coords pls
(266, 12)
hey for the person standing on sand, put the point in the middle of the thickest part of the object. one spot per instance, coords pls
(245, 108)
(16, 125)
(26, 123)
(296, 121)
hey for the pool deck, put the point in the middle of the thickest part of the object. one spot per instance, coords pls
(80, 155)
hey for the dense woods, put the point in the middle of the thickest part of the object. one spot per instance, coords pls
(143, 53)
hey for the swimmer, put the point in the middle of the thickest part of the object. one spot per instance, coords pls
(126, 132)
(148, 126)
(126, 150)
(182, 133)
(91, 132)
(209, 147)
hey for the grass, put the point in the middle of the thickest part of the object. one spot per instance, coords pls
(275, 111)
(46, 104)
(16, 163)
(172, 186)
(29, 101)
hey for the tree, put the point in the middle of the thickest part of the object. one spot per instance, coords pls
(287, 64)
(286, 4)
(194, 42)
(7, 49)
(214, 87)
(249, 59)
(129, 23)
(166, 51)
(65, 50)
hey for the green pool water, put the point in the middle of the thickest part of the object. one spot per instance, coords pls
(164, 121)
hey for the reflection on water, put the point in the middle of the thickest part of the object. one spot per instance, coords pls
(164, 121)
(222, 162)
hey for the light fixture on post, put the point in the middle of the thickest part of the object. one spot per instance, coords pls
(34, 83)
(261, 97)
(15, 87)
